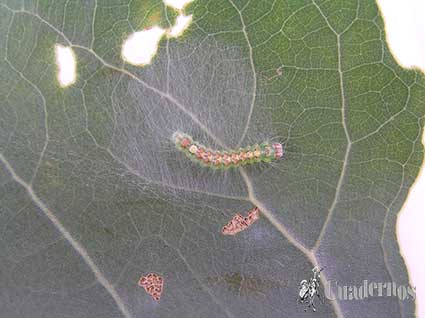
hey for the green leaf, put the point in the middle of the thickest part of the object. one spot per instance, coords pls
(94, 194)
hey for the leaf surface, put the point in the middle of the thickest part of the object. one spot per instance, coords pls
(93, 193)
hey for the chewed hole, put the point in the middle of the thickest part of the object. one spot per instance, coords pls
(182, 23)
(403, 29)
(177, 4)
(141, 47)
(66, 62)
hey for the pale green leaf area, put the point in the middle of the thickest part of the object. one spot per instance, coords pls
(93, 193)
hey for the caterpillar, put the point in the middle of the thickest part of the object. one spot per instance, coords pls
(225, 159)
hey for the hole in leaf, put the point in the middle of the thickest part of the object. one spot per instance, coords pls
(182, 23)
(141, 47)
(403, 28)
(177, 4)
(65, 59)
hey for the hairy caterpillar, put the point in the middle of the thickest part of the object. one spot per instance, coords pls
(239, 223)
(221, 159)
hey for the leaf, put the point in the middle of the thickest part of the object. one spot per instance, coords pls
(94, 194)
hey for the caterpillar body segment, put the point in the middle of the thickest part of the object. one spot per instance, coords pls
(225, 159)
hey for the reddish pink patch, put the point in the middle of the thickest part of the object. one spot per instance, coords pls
(153, 285)
(207, 157)
(200, 153)
(278, 150)
(239, 223)
(235, 158)
(216, 159)
(226, 159)
(185, 143)
(253, 215)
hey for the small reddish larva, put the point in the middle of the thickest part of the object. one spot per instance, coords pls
(153, 285)
(239, 223)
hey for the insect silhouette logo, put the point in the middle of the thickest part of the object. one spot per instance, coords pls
(309, 290)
